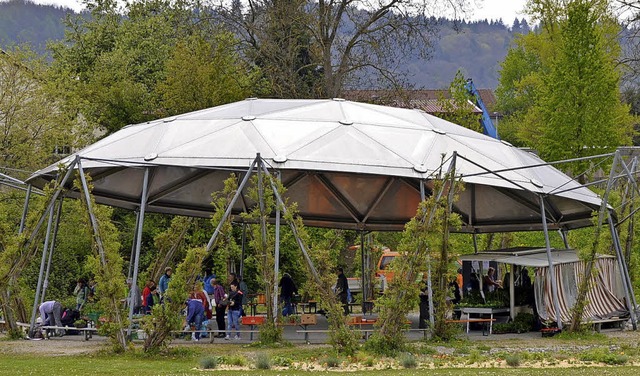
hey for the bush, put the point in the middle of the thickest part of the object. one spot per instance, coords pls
(282, 361)
(263, 361)
(237, 360)
(332, 362)
(210, 362)
(407, 360)
(513, 360)
(601, 355)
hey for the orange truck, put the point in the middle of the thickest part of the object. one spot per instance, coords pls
(384, 274)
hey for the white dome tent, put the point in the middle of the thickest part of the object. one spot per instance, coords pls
(346, 164)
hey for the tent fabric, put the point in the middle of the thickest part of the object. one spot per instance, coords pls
(531, 257)
(604, 299)
(346, 165)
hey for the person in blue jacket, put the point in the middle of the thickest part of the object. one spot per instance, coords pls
(195, 313)
(163, 284)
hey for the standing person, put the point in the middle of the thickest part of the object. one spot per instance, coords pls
(82, 293)
(51, 313)
(152, 299)
(163, 283)
(287, 289)
(198, 293)
(218, 297)
(145, 294)
(233, 278)
(235, 307)
(490, 284)
(342, 287)
(424, 302)
(195, 312)
(208, 288)
(135, 297)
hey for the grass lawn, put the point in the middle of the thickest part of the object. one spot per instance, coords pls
(163, 365)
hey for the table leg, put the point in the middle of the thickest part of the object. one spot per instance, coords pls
(491, 324)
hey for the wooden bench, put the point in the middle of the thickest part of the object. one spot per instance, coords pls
(468, 321)
(597, 324)
(87, 332)
(212, 331)
(255, 321)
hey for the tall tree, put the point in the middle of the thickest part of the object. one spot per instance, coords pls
(560, 88)
(335, 43)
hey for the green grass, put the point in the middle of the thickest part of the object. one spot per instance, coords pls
(132, 365)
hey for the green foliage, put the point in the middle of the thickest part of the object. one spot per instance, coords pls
(210, 362)
(146, 60)
(281, 361)
(106, 265)
(263, 361)
(332, 361)
(166, 317)
(603, 355)
(408, 360)
(560, 88)
(425, 239)
(456, 108)
(513, 360)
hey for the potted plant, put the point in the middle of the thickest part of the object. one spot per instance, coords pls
(80, 324)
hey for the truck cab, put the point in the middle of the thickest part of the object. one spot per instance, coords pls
(384, 264)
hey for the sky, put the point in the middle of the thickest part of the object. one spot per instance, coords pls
(480, 9)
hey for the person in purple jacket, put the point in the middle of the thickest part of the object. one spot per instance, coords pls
(218, 297)
(195, 313)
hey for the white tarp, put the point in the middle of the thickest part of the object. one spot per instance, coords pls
(346, 164)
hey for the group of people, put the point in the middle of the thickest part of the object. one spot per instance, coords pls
(207, 296)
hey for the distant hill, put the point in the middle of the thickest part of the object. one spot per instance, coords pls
(24, 22)
(475, 47)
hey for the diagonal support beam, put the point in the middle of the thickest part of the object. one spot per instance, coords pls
(339, 196)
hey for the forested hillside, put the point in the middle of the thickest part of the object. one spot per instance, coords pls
(23, 22)
(476, 48)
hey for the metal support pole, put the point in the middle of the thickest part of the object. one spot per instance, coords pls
(303, 248)
(134, 282)
(474, 236)
(432, 319)
(51, 248)
(552, 275)
(230, 207)
(364, 269)
(244, 246)
(133, 245)
(276, 262)
(563, 235)
(92, 216)
(25, 210)
(45, 249)
(626, 282)
(512, 293)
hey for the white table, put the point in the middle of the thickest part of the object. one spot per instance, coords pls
(483, 311)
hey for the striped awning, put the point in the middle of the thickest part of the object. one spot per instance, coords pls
(604, 299)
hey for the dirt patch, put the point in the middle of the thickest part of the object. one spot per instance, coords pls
(63, 346)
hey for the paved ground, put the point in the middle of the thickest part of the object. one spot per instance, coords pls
(75, 344)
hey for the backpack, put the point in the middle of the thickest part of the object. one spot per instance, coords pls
(69, 316)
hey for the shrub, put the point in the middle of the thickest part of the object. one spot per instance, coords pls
(602, 355)
(513, 360)
(236, 360)
(282, 361)
(263, 361)
(209, 362)
(369, 362)
(408, 360)
(332, 361)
